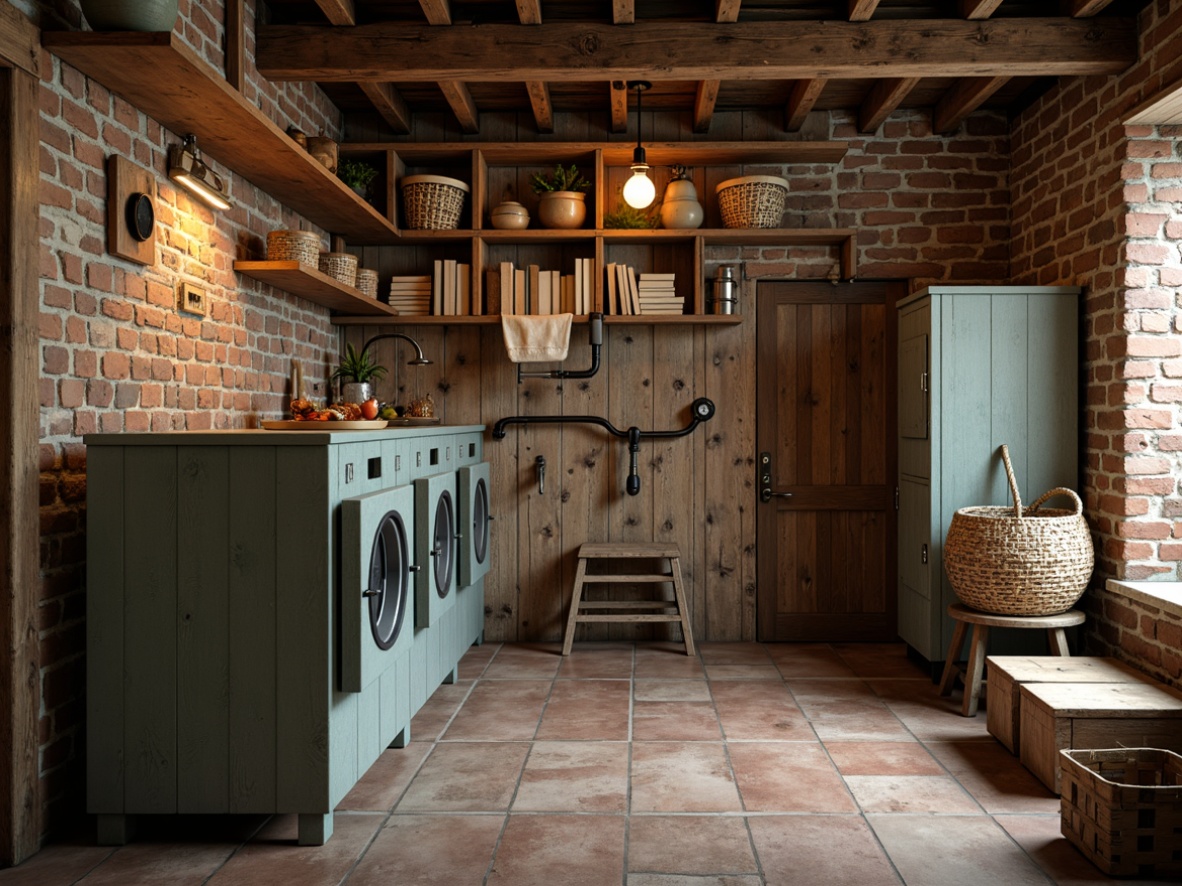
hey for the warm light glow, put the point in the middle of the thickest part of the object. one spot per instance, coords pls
(198, 189)
(639, 191)
(187, 169)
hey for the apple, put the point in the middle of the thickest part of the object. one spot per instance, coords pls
(369, 409)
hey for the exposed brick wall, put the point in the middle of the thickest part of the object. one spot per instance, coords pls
(116, 353)
(1145, 636)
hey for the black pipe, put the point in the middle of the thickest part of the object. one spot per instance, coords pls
(595, 323)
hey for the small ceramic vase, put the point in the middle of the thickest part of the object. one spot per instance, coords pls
(510, 216)
(680, 207)
(562, 209)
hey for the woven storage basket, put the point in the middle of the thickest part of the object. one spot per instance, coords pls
(432, 202)
(752, 201)
(1122, 808)
(367, 282)
(1019, 561)
(301, 246)
(341, 266)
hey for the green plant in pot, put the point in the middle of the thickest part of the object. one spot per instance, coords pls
(358, 175)
(563, 197)
(358, 372)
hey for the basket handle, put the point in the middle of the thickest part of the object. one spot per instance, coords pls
(1005, 458)
(1058, 490)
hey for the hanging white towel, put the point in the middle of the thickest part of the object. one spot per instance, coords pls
(537, 339)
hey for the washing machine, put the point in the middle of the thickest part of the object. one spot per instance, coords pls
(474, 521)
(378, 562)
(436, 548)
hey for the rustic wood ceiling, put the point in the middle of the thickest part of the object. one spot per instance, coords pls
(869, 57)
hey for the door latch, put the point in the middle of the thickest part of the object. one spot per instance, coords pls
(923, 554)
(540, 469)
(766, 493)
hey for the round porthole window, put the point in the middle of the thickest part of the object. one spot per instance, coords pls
(141, 216)
(444, 542)
(480, 521)
(389, 580)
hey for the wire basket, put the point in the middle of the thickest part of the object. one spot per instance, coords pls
(301, 246)
(367, 282)
(341, 266)
(432, 202)
(752, 201)
(1122, 808)
(1020, 561)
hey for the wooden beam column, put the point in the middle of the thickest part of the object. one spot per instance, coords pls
(236, 43)
(962, 99)
(385, 99)
(619, 100)
(884, 98)
(707, 94)
(804, 95)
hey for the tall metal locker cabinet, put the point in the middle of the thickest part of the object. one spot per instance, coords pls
(978, 366)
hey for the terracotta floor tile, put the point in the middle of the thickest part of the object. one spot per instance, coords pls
(598, 661)
(671, 690)
(882, 758)
(1040, 836)
(925, 713)
(968, 850)
(430, 850)
(733, 654)
(687, 880)
(672, 776)
(587, 710)
(764, 670)
(428, 724)
(574, 776)
(380, 787)
(500, 710)
(854, 721)
(149, 864)
(994, 777)
(760, 711)
(675, 721)
(808, 660)
(273, 859)
(572, 850)
(813, 690)
(910, 793)
(57, 863)
(788, 777)
(820, 849)
(525, 661)
(466, 777)
(689, 844)
(667, 661)
(879, 660)
(476, 659)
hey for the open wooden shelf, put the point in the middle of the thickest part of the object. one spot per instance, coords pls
(315, 286)
(166, 80)
(495, 320)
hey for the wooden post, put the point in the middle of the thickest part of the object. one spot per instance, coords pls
(236, 43)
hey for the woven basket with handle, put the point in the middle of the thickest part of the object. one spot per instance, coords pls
(1020, 561)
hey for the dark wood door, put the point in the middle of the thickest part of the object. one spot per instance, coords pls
(825, 435)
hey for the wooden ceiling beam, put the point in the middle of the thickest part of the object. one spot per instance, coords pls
(862, 10)
(884, 97)
(962, 99)
(539, 100)
(623, 12)
(978, 9)
(573, 52)
(338, 12)
(619, 99)
(388, 103)
(529, 12)
(462, 105)
(704, 101)
(804, 95)
(727, 10)
(437, 12)
(20, 40)
(1085, 8)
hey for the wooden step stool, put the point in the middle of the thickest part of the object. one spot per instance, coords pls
(632, 611)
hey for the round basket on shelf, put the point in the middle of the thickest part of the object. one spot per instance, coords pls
(433, 202)
(367, 282)
(752, 201)
(341, 266)
(1020, 561)
(301, 246)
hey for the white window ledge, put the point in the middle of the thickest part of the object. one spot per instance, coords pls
(1165, 595)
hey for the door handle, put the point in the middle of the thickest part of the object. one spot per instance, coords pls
(766, 493)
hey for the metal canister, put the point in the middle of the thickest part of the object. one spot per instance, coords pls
(726, 290)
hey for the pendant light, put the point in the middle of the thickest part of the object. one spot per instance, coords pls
(639, 190)
(187, 169)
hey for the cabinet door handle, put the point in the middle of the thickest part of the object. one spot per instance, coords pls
(371, 593)
(923, 554)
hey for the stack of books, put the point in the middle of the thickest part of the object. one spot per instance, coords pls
(658, 294)
(411, 294)
(536, 290)
(451, 289)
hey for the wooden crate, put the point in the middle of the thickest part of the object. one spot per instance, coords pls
(1058, 716)
(1007, 672)
(1122, 808)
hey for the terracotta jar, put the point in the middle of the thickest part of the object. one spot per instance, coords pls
(563, 209)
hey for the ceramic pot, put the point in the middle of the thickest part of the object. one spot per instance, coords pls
(680, 207)
(356, 392)
(562, 209)
(510, 216)
(130, 15)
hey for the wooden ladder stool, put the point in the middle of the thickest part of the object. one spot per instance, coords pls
(632, 611)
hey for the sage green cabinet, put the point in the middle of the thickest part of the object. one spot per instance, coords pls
(978, 367)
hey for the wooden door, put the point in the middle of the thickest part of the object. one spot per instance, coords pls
(825, 457)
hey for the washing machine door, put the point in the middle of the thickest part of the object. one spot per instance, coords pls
(474, 522)
(435, 518)
(377, 547)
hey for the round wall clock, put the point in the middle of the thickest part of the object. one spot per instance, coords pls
(141, 216)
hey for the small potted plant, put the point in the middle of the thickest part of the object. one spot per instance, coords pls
(357, 174)
(357, 373)
(563, 202)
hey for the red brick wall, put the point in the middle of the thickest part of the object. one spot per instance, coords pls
(118, 356)
(1146, 636)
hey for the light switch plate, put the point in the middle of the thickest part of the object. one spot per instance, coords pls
(191, 299)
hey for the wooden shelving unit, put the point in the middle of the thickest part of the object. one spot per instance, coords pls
(315, 286)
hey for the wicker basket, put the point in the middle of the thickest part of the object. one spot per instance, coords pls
(367, 282)
(341, 266)
(1122, 808)
(752, 201)
(433, 202)
(1019, 561)
(301, 246)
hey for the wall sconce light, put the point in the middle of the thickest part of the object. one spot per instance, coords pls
(187, 169)
(639, 190)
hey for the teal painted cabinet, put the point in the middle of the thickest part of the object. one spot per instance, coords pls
(978, 367)
(217, 605)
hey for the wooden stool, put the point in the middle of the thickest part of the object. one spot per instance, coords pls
(632, 610)
(982, 622)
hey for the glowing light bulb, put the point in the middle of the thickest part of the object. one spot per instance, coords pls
(639, 191)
